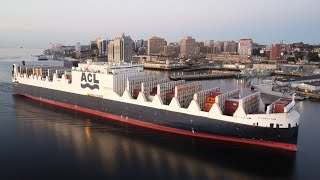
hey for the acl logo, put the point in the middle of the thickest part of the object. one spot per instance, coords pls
(89, 78)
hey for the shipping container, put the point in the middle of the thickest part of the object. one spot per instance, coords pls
(231, 106)
(210, 99)
(154, 89)
(231, 103)
(206, 109)
(153, 93)
(209, 105)
(69, 77)
(136, 91)
(170, 95)
(228, 113)
(278, 107)
(214, 94)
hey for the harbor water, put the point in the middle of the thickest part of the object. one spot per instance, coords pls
(39, 141)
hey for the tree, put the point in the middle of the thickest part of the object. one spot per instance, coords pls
(313, 57)
(291, 59)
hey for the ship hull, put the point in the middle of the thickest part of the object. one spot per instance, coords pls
(166, 121)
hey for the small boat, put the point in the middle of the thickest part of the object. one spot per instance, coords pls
(42, 58)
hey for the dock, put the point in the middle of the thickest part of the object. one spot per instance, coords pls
(288, 74)
(204, 76)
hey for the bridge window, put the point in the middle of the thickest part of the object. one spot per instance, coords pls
(277, 125)
(271, 125)
(289, 125)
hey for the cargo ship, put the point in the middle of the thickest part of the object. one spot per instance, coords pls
(124, 93)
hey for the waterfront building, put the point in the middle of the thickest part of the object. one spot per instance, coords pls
(94, 48)
(156, 45)
(228, 58)
(102, 46)
(275, 52)
(245, 47)
(120, 49)
(229, 47)
(209, 43)
(141, 44)
(187, 47)
(219, 47)
(172, 50)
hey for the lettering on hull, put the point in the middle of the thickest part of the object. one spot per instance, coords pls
(89, 78)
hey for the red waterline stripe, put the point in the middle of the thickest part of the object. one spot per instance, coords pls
(270, 144)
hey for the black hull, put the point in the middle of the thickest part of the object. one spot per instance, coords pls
(164, 118)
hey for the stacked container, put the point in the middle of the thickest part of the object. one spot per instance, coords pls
(231, 105)
(153, 91)
(278, 106)
(210, 100)
(169, 97)
(69, 76)
(136, 93)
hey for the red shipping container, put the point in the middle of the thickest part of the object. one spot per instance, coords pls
(231, 103)
(154, 89)
(206, 109)
(283, 102)
(209, 105)
(136, 91)
(229, 113)
(231, 108)
(153, 93)
(210, 99)
(278, 108)
(170, 95)
(214, 94)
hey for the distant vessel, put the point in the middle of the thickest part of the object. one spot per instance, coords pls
(268, 86)
(42, 58)
(248, 72)
(124, 93)
(264, 72)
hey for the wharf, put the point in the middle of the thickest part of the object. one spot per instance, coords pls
(204, 76)
(288, 74)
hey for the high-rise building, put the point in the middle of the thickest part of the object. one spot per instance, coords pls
(172, 50)
(229, 47)
(156, 45)
(187, 47)
(219, 47)
(141, 43)
(120, 49)
(275, 52)
(245, 47)
(209, 43)
(102, 46)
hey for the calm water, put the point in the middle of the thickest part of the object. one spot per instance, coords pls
(38, 141)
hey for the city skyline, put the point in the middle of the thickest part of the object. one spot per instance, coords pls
(37, 23)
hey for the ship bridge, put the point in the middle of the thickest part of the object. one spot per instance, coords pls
(110, 67)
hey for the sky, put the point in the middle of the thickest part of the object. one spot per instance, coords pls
(37, 23)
